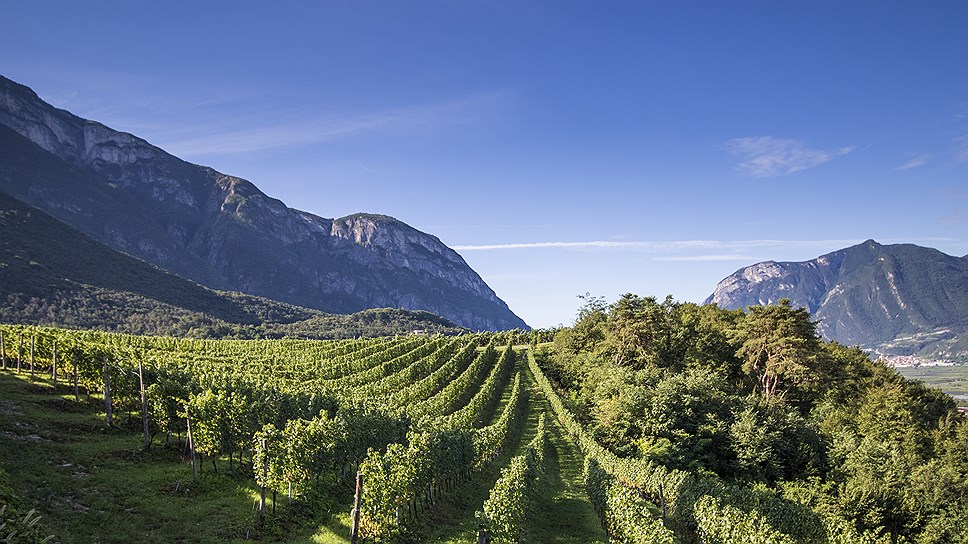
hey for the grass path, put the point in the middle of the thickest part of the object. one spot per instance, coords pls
(564, 514)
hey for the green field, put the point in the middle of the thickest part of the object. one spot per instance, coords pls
(952, 379)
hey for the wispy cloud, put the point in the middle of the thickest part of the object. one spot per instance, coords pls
(916, 161)
(194, 118)
(710, 250)
(767, 156)
(325, 127)
(560, 245)
(664, 246)
(699, 258)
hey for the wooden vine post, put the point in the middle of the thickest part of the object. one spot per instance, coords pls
(20, 351)
(191, 443)
(144, 404)
(107, 392)
(33, 340)
(262, 492)
(53, 364)
(3, 351)
(357, 502)
(74, 365)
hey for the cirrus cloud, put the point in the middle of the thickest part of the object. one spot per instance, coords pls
(915, 161)
(767, 156)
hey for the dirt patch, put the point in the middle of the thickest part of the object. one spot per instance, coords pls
(40, 388)
(59, 404)
(25, 438)
(10, 408)
(72, 503)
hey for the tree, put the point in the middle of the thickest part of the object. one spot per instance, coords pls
(638, 331)
(780, 347)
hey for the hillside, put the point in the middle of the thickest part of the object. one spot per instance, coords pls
(105, 488)
(52, 274)
(222, 231)
(661, 418)
(897, 300)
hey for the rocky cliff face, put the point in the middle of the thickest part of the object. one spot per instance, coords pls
(896, 299)
(222, 231)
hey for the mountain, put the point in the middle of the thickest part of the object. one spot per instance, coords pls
(896, 300)
(222, 231)
(52, 274)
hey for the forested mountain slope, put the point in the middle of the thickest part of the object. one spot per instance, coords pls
(52, 274)
(222, 231)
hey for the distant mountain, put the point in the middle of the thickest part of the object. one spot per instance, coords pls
(894, 299)
(52, 274)
(222, 231)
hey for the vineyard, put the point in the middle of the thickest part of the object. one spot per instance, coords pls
(406, 439)
(404, 427)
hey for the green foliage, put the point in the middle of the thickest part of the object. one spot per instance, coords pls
(506, 508)
(713, 413)
(626, 516)
(442, 447)
(472, 413)
(724, 524)
(772, 442)
(680, 443)
(390, 479)
(780, 348)
(16, 524)
(489, 440)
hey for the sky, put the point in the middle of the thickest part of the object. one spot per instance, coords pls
(560, 147)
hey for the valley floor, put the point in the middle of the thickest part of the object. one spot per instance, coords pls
(952, 379)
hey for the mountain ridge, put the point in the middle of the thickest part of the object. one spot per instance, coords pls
(222, 231)
(898, 299)
(53, 274)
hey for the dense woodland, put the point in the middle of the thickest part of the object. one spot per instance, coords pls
(694, 425)
(817, 431)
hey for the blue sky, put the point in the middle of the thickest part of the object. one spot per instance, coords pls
(562, 147)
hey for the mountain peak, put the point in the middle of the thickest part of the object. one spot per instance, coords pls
(12, 87)
(870, 294)
(222, 231)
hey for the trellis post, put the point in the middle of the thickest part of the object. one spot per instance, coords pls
(357, 500)
(107, 392)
